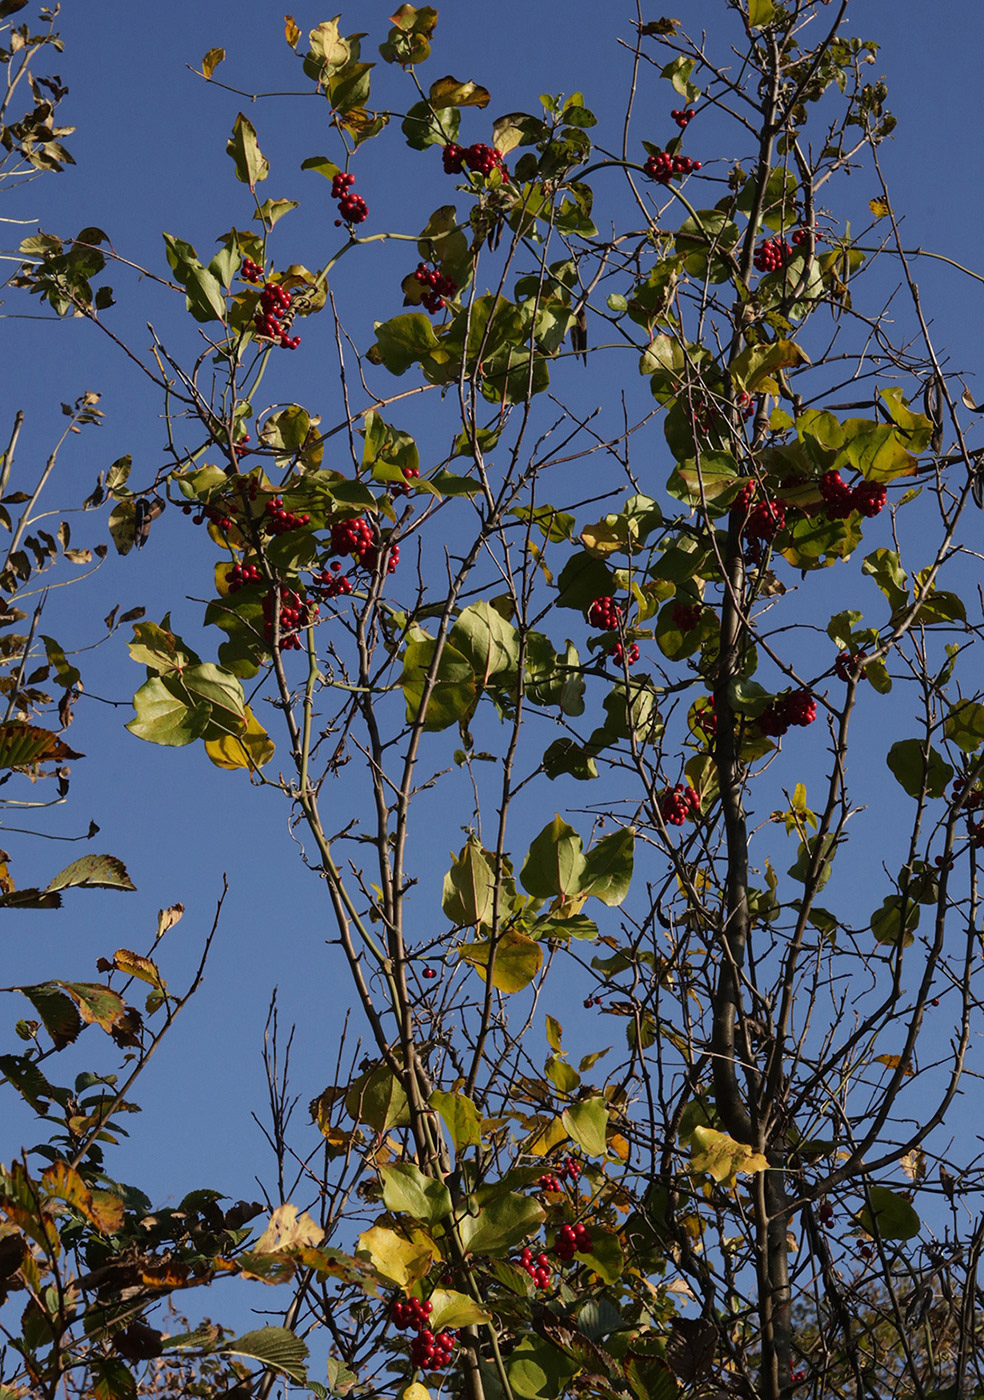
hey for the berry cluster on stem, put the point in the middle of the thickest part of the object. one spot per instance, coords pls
(279, 521)
(798, 707)
(478, 157)
(295, 613)
(538, 1269)
(683, 119)
(571, 1240)
(440, 285)
(677, 803)
(687, 615)
(850, 664)
(352, 207)
(268, 322)
(868, 498)
(663, 167)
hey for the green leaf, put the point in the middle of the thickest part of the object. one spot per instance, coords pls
(799, 869)
(888, 1215)
(275, 1347)
(555, 1032)
(562, 1075)
(93, 872)
(888, 925)
(163, 718)
(678, 72)
(460, 1116)
(377, 1098)
(502, 1223)
(469, 886)
(203, 290)
(554, 864)
(487, 641)
(583, 579)
(568, 756)
(407, 1191)
(885, 567)
(403, 341)
(908, 761)
(453, 693)
(964, 725)
(761, 13)
(587, 1122)
(605, 1255)
(538, 1370)
(608, 867)
(58, 1013)
(251, 165)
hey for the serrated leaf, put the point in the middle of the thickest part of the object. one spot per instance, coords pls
(94, 872)
(275, 1347)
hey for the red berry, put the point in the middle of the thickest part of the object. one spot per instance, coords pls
(679, 802)
(429, 973)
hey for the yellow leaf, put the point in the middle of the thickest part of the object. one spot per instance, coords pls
(546, 1136)
(167, 918)
(286, 1230)
(517, 960)
(211, 61)
(415, 1391)
(291, 31)
(134, 965)
(251, 749)
(880, 207)
(722, 1158)
(396, 1257)
(893, 1062)
(618, 1145)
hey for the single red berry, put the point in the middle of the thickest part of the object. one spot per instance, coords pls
(429, 973)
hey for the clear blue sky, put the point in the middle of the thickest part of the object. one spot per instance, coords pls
(150, 156)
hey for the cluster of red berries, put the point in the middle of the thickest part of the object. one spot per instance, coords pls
(849, 664)
(570, 1169)
(331, 582)
(351, 537)
(745, 405)
(825, 1214)
(440, 285)
(624, 655)
(549, 1182)
(538, 1268)
(802, 235)
(241, 575)
(275, 302)
(771, 255)
(250, 271)
(705, 721)
(479, 157)
(677, 803)
(592, 1001)
(969, 800)
(840, 499)
(687, 615)
(798, 707)
(352, 207)
(683, 119)
(213, 514)
(410, 1314)
(604, 613)
(432, 1353)
(409, 474)
(664, 166)
(295, 613)
(766, 520)
(571, 1240)
(280, 521)
(369, 559)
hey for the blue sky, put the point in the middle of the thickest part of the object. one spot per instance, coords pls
(150, 156)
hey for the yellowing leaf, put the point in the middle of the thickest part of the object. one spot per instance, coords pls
(914, 1164)
(546, 1136)
(880, 207)
(396, 1257)
(517, 960)
(893, 1062)
(415, 1391)
(251, 749)
(286, 1230)
(721, 1157)
(211, 61)
(134, 965)
(167, 918)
